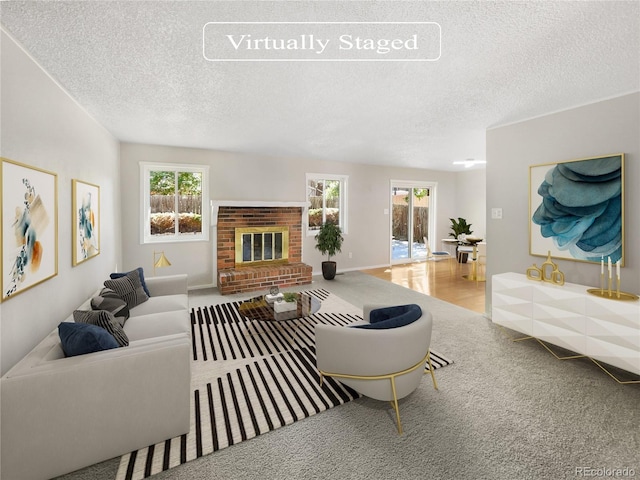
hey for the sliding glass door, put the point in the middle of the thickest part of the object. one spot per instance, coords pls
(410, 220)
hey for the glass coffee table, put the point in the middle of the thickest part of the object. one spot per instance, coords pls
(258, 308)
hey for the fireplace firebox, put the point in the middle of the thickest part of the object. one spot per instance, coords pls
(262, 245)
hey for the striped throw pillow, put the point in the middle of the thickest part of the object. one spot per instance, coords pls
(111, 302)
(104, 319)
(129, 288)
(140, 272)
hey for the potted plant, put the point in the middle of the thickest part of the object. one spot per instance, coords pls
(290, 297)
(460, 227)
(329, 242)
(288, 302)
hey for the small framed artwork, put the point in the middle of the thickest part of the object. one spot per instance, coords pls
(86, 221)
(576, 209)
(29, 226)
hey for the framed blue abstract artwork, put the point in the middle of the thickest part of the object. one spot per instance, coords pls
(576, 209)
(86, 221)
(29, 226)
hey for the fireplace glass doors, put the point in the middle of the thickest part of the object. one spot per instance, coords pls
(261, 245)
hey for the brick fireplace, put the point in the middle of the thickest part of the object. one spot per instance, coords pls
(235, 277)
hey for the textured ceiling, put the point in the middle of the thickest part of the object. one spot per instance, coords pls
(138, 68)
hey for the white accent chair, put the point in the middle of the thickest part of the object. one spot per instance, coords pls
(384, 364)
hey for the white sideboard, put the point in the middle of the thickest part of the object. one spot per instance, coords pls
(569, 317)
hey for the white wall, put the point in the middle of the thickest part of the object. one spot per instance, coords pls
(253, 177)
(607, 127)
(43, 127)
(471, 190)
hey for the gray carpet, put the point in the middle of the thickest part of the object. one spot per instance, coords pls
(237, 373)
(504, 410)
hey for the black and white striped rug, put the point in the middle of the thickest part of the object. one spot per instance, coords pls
(249, 377)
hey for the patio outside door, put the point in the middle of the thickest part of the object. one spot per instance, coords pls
(410, 221)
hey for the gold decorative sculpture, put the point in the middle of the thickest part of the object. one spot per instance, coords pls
(548, 272)
(534, 273)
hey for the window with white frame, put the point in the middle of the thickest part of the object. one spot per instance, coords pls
(174, 201)
(327, 196)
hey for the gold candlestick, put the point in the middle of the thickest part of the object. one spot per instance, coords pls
(620, 295)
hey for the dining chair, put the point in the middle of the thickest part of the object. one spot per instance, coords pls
(438, 255)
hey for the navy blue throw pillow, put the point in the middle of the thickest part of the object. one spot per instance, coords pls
(81, 338)
(392, 317)
(113, 276)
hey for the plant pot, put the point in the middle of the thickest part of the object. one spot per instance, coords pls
(283, 306)
(329, 270)
(461, 256)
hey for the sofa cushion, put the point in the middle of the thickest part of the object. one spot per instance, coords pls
(158, 325)
(161, 303)
(82, 338)
(129, 288)
(111, 302)
(115, 275)
(104, 319)
(392, 317)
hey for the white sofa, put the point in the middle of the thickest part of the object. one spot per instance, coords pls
(60, 414)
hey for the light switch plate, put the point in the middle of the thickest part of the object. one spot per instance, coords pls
(496, 213)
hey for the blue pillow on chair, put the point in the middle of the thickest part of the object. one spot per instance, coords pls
(81, 338)
(392, 317)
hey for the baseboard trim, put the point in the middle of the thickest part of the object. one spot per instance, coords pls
(201, 287)
(314, 273)
(354, 269)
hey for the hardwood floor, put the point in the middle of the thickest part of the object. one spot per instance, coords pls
(437, 279)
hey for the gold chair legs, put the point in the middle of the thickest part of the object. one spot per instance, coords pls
(391, 377)
(449, 259)
(394, 404)
(433, 377)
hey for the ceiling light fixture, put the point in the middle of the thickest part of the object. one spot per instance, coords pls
(469, 162)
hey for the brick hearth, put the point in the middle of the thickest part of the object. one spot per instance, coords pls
(236, 279)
